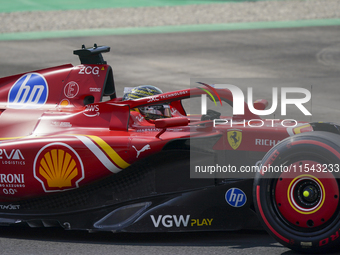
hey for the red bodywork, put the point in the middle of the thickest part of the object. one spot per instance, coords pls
(57, 134)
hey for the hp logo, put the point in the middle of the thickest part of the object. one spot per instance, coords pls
(235, 197)
(29, 92)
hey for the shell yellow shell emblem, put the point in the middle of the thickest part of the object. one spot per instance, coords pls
(234, 138)
(58, 167)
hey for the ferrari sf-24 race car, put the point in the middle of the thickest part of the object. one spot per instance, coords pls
(71, 159)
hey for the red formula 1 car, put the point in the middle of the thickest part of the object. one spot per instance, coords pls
(70, 159)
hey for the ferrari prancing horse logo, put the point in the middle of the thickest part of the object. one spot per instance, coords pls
(234, 138)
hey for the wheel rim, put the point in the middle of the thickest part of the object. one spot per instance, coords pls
(306, 200)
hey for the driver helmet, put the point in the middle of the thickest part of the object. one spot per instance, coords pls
(151, 111)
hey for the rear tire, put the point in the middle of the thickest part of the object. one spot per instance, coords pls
(297, 201)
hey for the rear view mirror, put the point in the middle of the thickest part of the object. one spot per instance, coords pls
(171, 122)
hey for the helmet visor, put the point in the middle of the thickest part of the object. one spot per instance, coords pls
(156, 111)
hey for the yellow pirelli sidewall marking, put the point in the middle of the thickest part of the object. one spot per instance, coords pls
(110, 152)
(297, 130)
(289, 190)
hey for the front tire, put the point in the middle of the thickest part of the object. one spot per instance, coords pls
(296, 193)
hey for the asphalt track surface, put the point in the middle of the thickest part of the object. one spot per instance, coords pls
(258, 58)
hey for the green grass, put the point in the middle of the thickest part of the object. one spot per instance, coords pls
(44, 5)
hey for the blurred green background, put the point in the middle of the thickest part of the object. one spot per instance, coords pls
(43, 5)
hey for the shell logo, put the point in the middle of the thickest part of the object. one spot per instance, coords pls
(58, 167)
